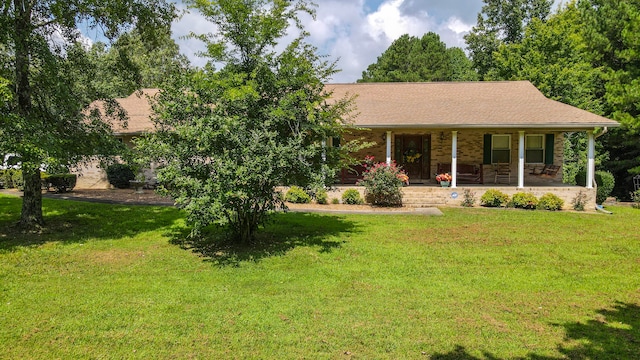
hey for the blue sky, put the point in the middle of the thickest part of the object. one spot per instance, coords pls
(356, 32)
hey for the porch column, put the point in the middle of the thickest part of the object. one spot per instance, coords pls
(388, 147)
(521, 160)
(454, 159)
(591, 164)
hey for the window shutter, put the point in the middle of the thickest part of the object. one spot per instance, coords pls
(549, 144)
(486, 154)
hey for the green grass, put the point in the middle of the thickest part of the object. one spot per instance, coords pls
(114, 282)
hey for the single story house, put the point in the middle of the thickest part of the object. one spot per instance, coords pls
(484, 133)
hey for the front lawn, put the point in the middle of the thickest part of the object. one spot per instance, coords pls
(116, 282)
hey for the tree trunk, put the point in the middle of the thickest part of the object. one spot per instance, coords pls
(31, 216)
(32, 200)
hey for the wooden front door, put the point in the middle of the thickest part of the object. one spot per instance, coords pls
(413, 154)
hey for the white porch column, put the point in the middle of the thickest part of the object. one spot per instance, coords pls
(591, 164)
(454, 159)
(521, 160)
(388, 147)
(324, 150)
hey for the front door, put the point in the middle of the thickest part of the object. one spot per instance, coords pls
(410, 155)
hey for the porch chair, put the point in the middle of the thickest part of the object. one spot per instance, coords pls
(548, 170)
(503, 171)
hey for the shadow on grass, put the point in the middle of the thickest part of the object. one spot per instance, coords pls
(71, 221)
(612, 334)
(286, 232)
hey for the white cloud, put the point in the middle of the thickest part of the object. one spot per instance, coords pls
(357, 31)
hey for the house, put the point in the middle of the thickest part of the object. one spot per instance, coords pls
(470, 126)
(484, 133)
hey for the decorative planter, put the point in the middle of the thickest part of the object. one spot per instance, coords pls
(445, 183)
(138, 185)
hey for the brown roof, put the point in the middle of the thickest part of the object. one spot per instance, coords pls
(138, 110)
(489, 105)
(505, 104)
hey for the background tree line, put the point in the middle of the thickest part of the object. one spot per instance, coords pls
(584, 54)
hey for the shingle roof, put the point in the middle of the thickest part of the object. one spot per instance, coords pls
(489, 105)
(505, 104)
(138, 111)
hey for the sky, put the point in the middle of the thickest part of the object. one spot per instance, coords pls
(356, 32)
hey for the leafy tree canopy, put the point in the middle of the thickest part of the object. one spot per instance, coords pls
(131, 63)
(501, 22)
(410, 58)
(228, 138)
(47, 69)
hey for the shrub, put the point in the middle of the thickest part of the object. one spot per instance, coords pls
(322, 197)
(494, 198)
(579, 201)
(297, 195)
(635, 197)
(605, 181)
(382, 184)
(17, 181)
(119, 175)
(551, 202)
(352, 197)
(335, 201)
(522, 200)
(60, 182)
(7, 177)
(468, 198)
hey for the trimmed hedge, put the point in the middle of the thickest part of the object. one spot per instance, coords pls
(550, 202)
(297, 195)
(352, 197)
(119, 175)
(494, 198)
(605, 181)
(60, 182)
(523, 200)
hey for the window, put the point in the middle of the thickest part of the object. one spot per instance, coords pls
(501, 149)
(335, 142)
(534, 149)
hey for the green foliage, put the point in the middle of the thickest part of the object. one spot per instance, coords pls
(468, 198)
(297, 195)
(60, 182)
(229, 137)
(501, 22)
(352, 197)
(335, 201)
(383, 184)
(44, 119)
(551, 202)
(604, 180)
(522, 200)
(635, 198)
(119, 175)
(494, 198)
(322, 197)
(580, 201)
(10, 176)
(410, 58)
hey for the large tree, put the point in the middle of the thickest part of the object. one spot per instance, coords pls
(411, 58)
(43, 119)
(501, 22)
(228, 138)
(131, 63)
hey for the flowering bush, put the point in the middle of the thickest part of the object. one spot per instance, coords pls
(382, 183)
(443, 177)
